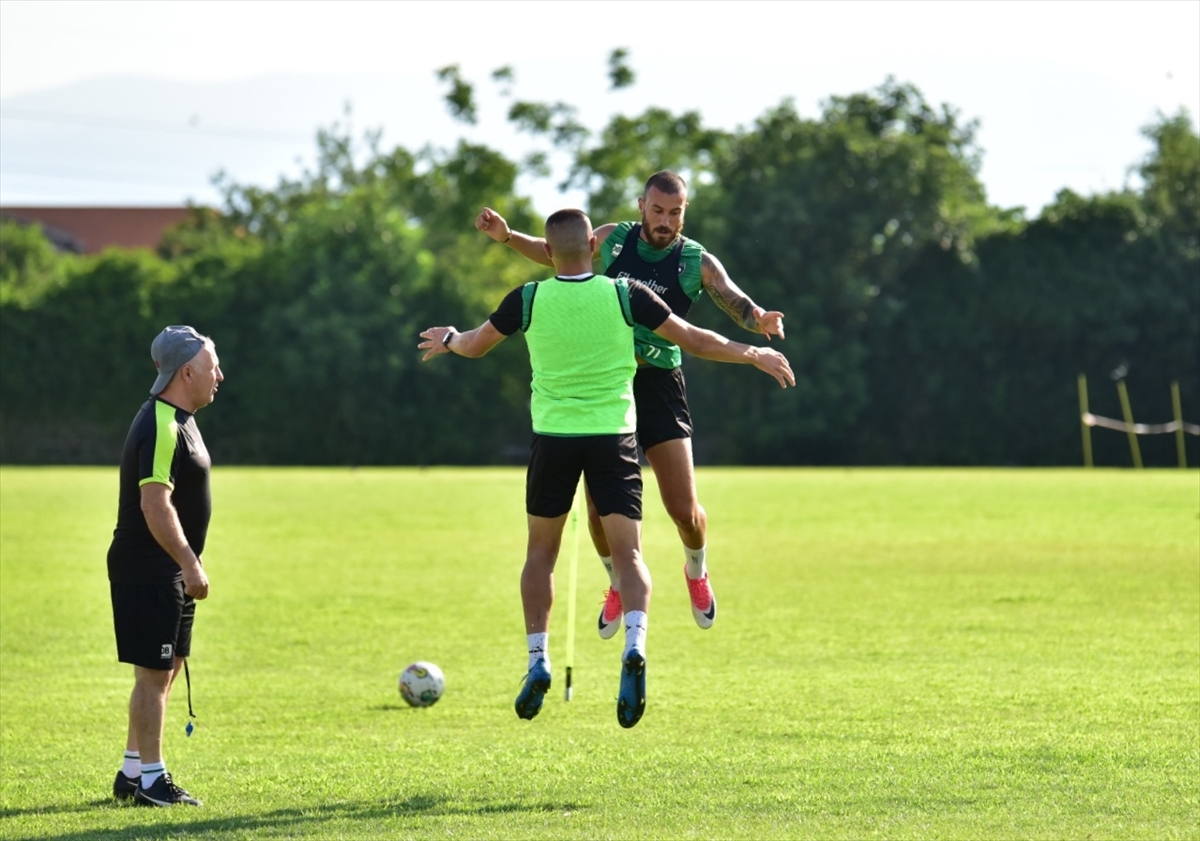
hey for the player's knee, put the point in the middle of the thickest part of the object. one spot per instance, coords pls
(687, 516)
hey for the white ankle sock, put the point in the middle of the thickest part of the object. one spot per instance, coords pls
(132, 766)
(695, 563)
(608, 567)
(151, 772)
(635, 632)
(539, 648)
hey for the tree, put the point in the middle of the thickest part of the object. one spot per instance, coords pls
(818, 218)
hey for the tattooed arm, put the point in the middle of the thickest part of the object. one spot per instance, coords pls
(734, 302)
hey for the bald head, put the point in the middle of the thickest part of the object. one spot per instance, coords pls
(569, 235)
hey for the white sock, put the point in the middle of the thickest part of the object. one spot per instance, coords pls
(132, 766)
(695, 563)
(539, 648)
(151, 772)
(612, 576)
(635, 632)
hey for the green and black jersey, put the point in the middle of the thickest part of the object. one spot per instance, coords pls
(672, 273)
(164, 446)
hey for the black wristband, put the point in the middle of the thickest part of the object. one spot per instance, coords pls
(507, 238)
(446, 339)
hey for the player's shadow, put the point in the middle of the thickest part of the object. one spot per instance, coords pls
(305, 820)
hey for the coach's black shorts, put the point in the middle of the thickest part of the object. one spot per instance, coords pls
(153, 621)
(609, 465)
(662, 409)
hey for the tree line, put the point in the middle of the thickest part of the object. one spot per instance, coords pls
(926, 326)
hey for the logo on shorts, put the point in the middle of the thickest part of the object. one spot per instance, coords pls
(168, 651)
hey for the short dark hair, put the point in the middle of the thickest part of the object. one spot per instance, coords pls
(569, 231)
(666, 181)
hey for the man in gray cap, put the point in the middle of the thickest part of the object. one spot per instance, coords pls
(154, 569)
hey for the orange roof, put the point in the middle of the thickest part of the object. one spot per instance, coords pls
(92, 229)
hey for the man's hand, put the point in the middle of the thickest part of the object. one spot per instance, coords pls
(195, 582)
(493, 224)
(435, 341)
(770, 323)
(774, 363)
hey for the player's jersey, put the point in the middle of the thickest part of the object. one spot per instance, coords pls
(579, 333)
(164, 446)
(579, 336)
(673, 273)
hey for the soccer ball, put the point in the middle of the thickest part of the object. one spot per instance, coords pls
(421, 684)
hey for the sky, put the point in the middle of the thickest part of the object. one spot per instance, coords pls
(142, 103)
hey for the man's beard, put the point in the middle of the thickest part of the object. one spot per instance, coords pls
(660, 240)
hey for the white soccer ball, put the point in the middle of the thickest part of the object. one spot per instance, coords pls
(421, 684)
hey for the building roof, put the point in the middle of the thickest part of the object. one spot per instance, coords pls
(88, 230)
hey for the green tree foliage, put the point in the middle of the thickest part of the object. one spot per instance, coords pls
(29, 265)
(620, 74)
(818, 218)
(978, 364)
(925, 326)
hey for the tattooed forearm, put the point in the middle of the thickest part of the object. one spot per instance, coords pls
(737, 307)
(726, 295)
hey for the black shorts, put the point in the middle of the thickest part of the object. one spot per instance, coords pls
(153, 621)
(662, 409)
(609, 465)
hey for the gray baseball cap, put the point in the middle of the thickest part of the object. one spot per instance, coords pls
(171, 349)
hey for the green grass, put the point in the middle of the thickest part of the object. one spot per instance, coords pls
(898, 654)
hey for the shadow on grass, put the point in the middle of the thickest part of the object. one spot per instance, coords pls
(281, 822)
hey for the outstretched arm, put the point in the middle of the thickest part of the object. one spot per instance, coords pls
(709, 345)
(472, 344)
(531, 248)
(736, 303)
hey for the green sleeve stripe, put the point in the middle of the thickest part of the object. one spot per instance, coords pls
(616, 237)
(527, 293)
(691, 281)
(166, 435)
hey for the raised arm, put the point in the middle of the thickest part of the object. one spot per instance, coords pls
(735, 303)
(709, 345)
(531, 248)
(472, 344)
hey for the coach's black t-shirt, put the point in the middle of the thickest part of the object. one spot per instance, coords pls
(164, 446)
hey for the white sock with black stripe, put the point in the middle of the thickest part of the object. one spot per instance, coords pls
(151, 772)
(539, 648)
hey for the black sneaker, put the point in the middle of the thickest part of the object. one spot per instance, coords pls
(125, 787)
(164, 792)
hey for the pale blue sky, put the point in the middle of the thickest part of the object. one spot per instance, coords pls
(141, 102)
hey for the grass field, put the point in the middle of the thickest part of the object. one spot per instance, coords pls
(899, 654)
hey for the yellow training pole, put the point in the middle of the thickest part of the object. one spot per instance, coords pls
(1177, 405)
(572, 586)
(1083, 427)
(1128, 412)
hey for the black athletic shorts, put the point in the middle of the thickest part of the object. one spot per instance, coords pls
(153, 621)
(609, 465)
(662, 409)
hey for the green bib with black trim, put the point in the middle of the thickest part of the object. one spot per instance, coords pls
(580, 339)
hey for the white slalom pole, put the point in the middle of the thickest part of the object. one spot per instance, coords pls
(572, 582)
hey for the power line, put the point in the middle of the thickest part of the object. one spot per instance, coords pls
(122, 124)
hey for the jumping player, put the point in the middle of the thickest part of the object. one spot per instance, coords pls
(655, 252)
